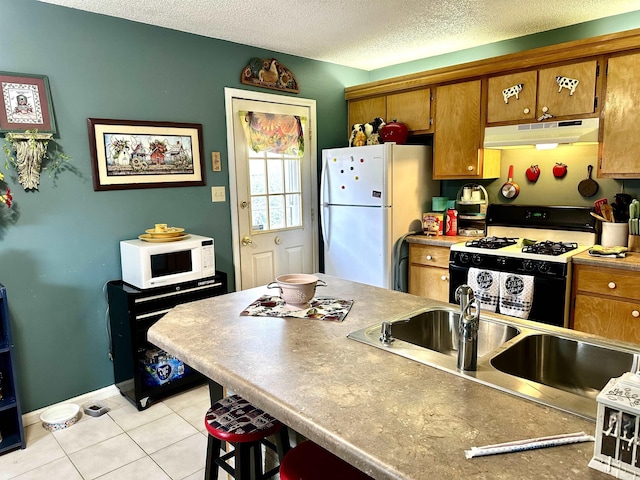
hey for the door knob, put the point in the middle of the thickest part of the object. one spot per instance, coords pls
(243, 204)
(246, 241)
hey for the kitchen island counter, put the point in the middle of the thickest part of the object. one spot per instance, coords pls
(390, 417)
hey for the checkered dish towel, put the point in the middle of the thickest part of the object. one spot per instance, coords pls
(516, 294)
(486, 287)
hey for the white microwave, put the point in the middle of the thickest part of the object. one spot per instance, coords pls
(151, 265)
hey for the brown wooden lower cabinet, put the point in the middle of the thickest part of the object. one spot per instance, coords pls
(429, 271)
(606, 302)
(608, 318)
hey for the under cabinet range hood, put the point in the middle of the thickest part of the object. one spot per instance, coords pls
(566, 131)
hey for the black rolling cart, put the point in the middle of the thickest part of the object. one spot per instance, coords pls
(11, 431)
(142, 371)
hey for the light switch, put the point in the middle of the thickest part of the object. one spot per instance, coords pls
(217, 194)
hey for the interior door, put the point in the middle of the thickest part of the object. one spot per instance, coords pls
(275, 197)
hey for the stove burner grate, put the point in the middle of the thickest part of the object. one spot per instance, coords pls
(491, 242)
(550, 248)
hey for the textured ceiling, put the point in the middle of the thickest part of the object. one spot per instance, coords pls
(366, 34)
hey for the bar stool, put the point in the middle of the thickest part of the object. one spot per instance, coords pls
(308, 461)
(246, 428)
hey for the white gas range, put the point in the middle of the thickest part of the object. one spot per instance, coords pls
(523, 267)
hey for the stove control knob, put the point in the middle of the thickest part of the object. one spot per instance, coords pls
(477, 259)
(544, 267)
(464, 258)
(527, 265)
(502, 261)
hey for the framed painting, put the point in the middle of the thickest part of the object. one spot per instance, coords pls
(130, 154)
(26, 103)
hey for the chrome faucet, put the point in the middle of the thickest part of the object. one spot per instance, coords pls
(468, 328)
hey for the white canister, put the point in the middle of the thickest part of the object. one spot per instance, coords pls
(466, 193)
(614, 234)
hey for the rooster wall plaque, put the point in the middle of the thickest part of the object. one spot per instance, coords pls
(269, 73)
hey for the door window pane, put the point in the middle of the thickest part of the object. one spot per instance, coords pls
(275, 188)
(277, 218)
(276, 182)
(259, 214)
(258, 178)
(292, 175)
(294, 210)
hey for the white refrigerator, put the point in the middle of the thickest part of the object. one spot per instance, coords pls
(371, 197)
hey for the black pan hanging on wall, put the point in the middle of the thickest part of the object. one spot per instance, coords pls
(588, 187)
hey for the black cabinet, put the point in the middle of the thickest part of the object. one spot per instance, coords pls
(11, 431)
(142, 371)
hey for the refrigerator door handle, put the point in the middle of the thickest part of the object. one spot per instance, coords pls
(323, 222)
(323, 179)
(325, 208)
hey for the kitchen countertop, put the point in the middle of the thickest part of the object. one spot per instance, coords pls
(390, 417)
(630, 262)
(437, 240)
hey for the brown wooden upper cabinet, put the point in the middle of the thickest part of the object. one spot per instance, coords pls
(413, 108)
(620, 119)
(365, 110)
(559, 91)
(457, 140)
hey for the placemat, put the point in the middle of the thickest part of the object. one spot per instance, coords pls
(320, 308)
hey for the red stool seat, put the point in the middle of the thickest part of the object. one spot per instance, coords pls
(233, 419)
(244, 426)
(308, 461)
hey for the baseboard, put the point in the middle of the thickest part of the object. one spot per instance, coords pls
(97, 395)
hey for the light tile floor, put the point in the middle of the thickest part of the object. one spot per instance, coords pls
(167, 441)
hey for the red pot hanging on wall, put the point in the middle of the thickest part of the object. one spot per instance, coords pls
(394, 132)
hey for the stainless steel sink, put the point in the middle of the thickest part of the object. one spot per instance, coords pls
(561, 368)
(570, 365)
(438, 330)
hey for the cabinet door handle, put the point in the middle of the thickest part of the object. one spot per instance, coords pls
(444, 279)
(429, 257)
(470, 168)
(612, 285)
(635, 313)
(526, 111)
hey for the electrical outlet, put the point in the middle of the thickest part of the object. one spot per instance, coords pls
(217, 194)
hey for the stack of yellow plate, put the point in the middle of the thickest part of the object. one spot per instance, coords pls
(162, 233)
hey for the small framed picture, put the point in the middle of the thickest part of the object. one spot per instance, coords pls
(130, 154)
(26, 103)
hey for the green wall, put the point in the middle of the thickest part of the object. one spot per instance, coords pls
(61, 245)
